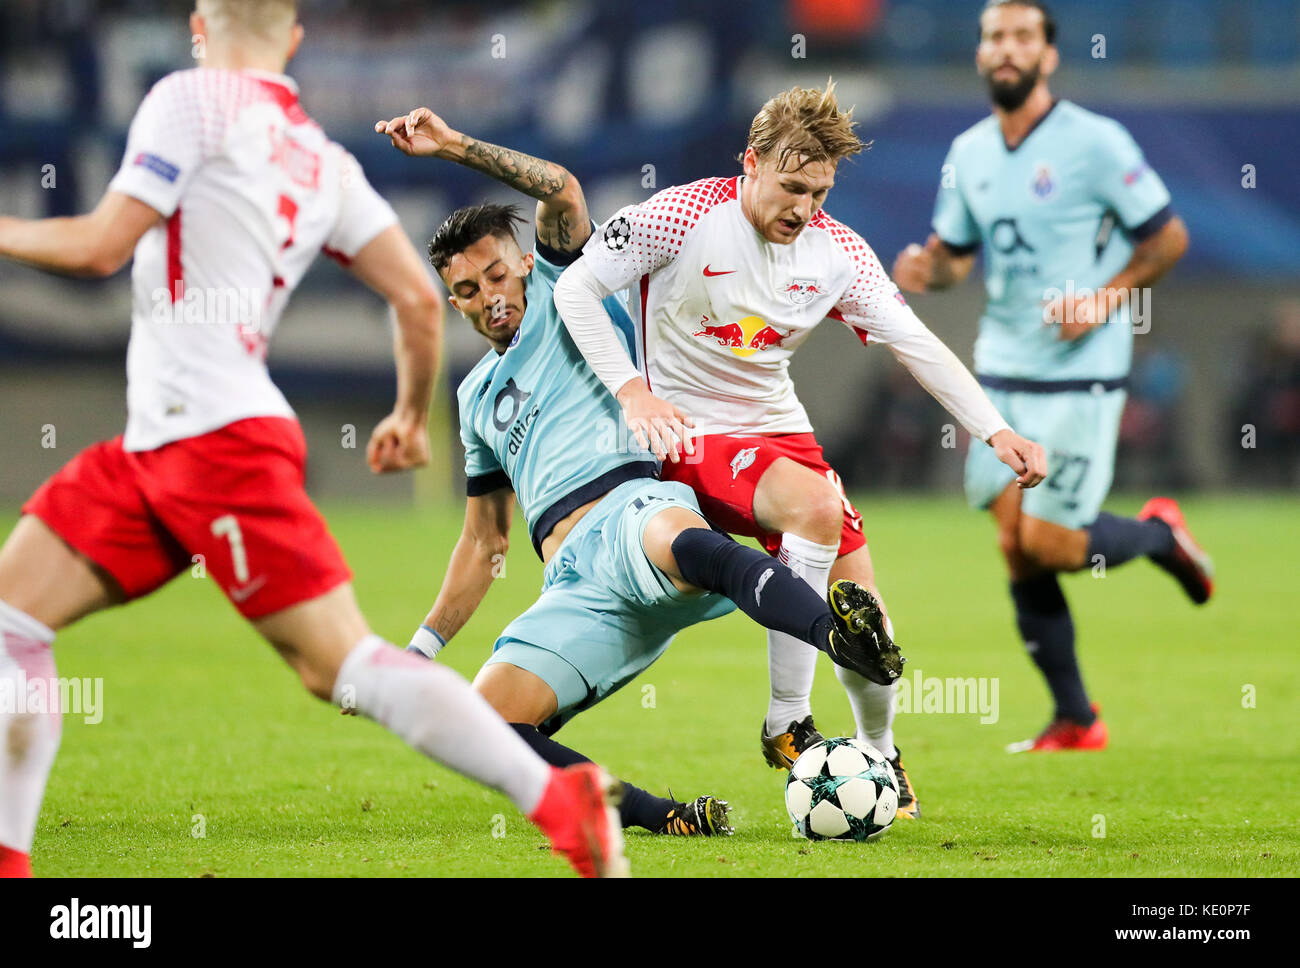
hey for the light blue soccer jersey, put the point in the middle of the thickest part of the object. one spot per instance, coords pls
(1067, 204)
(537, 419)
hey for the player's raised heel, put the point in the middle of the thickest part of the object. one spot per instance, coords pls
(859, 640)
(703, 817)
(1188, 562)
(1064, 734)
(783, 749)
(908, 805)
(611, 861)
(579, 813)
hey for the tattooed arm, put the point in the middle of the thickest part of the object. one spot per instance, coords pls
(562, 219)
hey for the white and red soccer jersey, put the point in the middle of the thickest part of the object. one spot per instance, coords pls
(723, 309)
(251, 189)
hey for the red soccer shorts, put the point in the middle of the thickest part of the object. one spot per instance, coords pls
(231, 501)
(725, 472)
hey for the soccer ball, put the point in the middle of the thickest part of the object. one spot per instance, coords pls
(842, 789)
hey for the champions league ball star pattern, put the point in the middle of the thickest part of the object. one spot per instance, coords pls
(617, 233)
(842, 789)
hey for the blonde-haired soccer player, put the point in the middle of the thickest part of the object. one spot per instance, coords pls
(734, 273)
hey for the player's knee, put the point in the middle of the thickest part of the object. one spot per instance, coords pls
(1021, 563)
(1032, 550)
(1009, 543)
(817, 514)
(1039, 545)
(661, 531)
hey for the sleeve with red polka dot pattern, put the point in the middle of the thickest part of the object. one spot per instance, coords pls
(641, 239)
(872, 307)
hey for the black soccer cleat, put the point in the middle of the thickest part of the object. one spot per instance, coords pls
(783, 749)
(703, 817)
(859, 640)
(908, 805)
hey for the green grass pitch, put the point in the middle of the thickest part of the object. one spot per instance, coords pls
(211, 760)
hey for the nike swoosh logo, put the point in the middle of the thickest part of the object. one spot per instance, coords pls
(241, 595)
(725, 272)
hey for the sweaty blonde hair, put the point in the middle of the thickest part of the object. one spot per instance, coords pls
(263, 20)
(806, 123)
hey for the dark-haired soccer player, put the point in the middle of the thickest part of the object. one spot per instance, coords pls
(1069, 214)
(228, 185)
(628, 557)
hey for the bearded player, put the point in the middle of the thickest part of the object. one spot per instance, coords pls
(227, 186)
(1070, 215)
(629, 561)
(734, 273)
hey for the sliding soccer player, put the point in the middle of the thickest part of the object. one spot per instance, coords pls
(228, 187)
(1074, 225)
(734, 274)
(628, 556)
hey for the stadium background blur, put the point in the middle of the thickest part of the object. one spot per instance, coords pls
(637, 97)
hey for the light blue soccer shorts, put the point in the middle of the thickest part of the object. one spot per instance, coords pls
(605, 612)
(1078, 429)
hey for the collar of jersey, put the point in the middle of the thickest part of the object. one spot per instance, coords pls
(284, 80)
(1037, 124)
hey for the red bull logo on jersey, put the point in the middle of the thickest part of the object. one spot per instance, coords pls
(803, 291)
(744, 338)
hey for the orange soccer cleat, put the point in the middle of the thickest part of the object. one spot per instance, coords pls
(1066, 734)
(579, 814)
(1188, 562)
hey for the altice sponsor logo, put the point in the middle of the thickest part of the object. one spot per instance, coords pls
(106, 922)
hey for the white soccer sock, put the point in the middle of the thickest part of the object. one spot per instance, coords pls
(28, 740)
(873, 705)
(435, 711)
(792, 662)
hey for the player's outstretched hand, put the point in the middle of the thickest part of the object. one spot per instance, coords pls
(421, 133)
(914, 266)
(1022, 455)
(399, 443)
(658, 425)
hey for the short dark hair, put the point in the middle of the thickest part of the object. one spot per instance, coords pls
(465, 226)
(1049, 22)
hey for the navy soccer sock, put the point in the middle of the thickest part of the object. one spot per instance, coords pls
(1118, 540)
(638, 809)
(1043, 617)
(764, 589)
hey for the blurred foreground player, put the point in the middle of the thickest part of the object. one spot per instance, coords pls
(227, 186)
(1074, 224)
(734, 274)
(629, 559)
